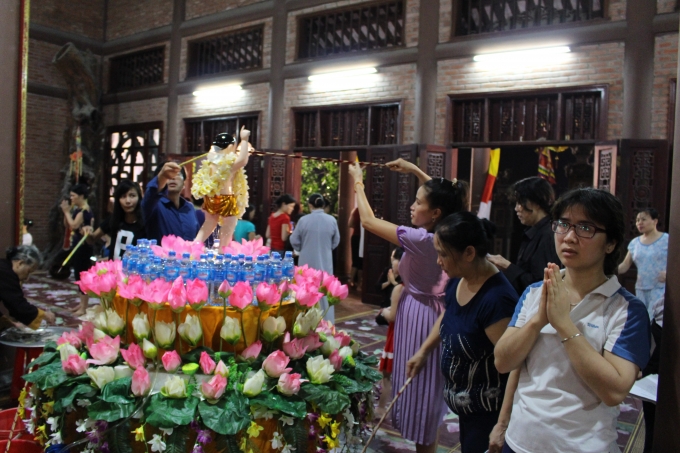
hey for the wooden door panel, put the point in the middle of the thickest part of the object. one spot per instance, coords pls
(277, 179)
(390, 195)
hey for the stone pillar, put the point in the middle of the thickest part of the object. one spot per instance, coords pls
(426, 72)
(172, 130)
(638, 69)
(276, 80)
(666, 433)
(10, 55)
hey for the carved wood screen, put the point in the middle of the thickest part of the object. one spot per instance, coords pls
(640, 174)
(199, 133)
(488, 16)
(278, 177)
(355, 126)
(137, 69)
(134, 150)
(390, 195)
(237, 50)
(539, 116)
(355, 29)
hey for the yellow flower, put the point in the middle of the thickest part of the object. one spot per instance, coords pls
(242, 446)
(48, 408)
(332, 443)
(254, 429)
(324, 420)
(50, 392)
(139, 434)
(41, 434)
(335, 429)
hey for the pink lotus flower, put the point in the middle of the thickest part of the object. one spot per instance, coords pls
(336, 292)
(294, 349)
(197, 293)
(74, 365)
(224, 290)
(86, 332)
(71, 338)
(326, 327)
(105, 351)
(132, 289)
(134, 356)
(214, 388)
(179, 245)
(307, 275)
(241, 296)
(156, 293)
(268, 295)
(306, 295)
(248, 248)
(102, 278)
(171, 361)
(141, 382)
(289, 384)
(335, 360)
(207, 364)
(177, 297)
(343, 339)
(251, 352)
(311, 342)
(275, 364)
(222, 369)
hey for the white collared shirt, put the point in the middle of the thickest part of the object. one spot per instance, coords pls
(554, 410)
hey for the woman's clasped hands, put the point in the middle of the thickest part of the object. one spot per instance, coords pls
(556, 299)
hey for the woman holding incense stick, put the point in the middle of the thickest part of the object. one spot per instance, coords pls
(77, 214)
(419, 412)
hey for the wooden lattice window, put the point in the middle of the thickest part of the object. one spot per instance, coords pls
(234, 51)
(200, 132)
(134, 151)
(368, 27)
(138, 69)
(487, 16)
(537, 116)
(360, 125)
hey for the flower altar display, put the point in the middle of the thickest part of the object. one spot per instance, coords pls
(193, 364)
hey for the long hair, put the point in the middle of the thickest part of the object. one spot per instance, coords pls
(118, 214)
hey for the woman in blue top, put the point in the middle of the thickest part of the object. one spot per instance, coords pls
(245, 229)
(479, 304)
(649, 252)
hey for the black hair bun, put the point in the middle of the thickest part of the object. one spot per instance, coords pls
(223, 140)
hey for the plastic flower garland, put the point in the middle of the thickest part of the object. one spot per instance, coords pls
(295, 385)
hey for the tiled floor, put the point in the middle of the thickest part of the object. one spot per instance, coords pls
(358, 319)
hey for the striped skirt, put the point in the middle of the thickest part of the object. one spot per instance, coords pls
(419, 411)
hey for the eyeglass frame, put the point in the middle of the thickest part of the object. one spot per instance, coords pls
(596, 229)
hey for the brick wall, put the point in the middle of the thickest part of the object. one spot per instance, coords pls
(665, 6)
(106, 70)
(617, 11)
(83, 17)
(46, 122)
(411, 27)
(586, 65)
(127, 17)
(266, 45)
(40, 66)
(391, 83)
(138, 112)
(198, 8)
(253, 98)
(665, 69)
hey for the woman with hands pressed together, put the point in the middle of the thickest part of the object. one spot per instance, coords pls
(479, 304)
(418, 413)
(577, 339)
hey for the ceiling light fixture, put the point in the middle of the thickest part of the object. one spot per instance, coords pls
(521, 55)
(217, 91)
(341, 74)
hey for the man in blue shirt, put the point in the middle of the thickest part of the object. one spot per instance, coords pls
(165, 211)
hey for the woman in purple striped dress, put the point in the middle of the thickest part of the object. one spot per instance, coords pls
(419, 411)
